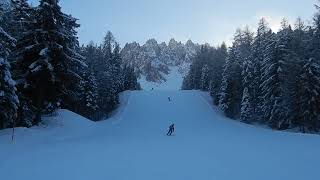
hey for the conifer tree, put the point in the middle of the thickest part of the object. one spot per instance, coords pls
(247, 106)
(315, 42)
(8, 99)
(204, 82)
(219, 61)
(273, 90)
(129, 80)
(89, 95)
(257, 56)
(47, 63)
(22, 16)
(310, 96)
(299, 49)
(230, 93)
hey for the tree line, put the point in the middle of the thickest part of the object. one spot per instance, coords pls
(265, 77)
(43, 67)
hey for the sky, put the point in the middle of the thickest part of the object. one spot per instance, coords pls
(202, 21)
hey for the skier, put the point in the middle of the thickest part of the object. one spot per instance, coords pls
(169, 98)
(171, 130)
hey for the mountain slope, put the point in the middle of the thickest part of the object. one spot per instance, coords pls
(173, 81)
(133, 145)
(153, 61)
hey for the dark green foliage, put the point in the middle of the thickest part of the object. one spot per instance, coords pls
(206, 70)
(52, 71)
(8, 99)
(105, 64)
(272, 78)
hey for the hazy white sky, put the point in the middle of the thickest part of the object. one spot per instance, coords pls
(212, 21)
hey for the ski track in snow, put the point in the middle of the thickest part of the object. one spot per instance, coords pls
(133, 146)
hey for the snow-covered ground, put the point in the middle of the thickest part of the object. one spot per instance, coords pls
(133, 145)
(173, 81)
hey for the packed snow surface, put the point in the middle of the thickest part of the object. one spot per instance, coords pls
(133, 145)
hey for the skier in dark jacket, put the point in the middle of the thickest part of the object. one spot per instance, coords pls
(171, 130)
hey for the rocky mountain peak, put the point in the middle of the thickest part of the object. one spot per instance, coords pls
(154, 61)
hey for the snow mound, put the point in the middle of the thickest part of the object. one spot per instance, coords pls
(66, 119)
(62, 125)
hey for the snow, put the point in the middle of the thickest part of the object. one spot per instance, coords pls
(6, 35)
(2, 61)
(44, 52)
(133, 146)
(173, 81)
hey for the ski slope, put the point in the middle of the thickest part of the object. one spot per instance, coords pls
(173, 81)
(133, 145)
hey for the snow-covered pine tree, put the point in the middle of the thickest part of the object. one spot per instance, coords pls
(307, 98)
(205, 68)
(74, 61)
(129, 79)
(299, 39)
(219, 60)
(310, 96)
(288, 60)
(273, 92)
(22, 14)
(290, 46)
(95, 78)
(247, 109)
(114, 74)
(89, 95)
(315, 43)
(204, 81)
(199, 61)
(94, 58)
(108, 80)
(230, 93)
(6, 16)
(97, 64)
(232, 88)
(8, 99)
(46, 61)
(258, 46)
(115, 68)
(224, 100)
(23, 18)
(192, 80)
(244, 44)
(243, 49)
(186, 84)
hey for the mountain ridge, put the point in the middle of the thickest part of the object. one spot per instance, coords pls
(153, 60)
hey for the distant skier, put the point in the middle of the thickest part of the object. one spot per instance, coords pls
(171, 130)
(169, 99)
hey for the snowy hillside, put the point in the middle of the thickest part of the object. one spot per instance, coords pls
(62, 126)
(156, 63)
(173, 81)
(133, 145)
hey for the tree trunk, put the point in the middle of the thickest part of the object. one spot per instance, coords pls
(39, 106)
